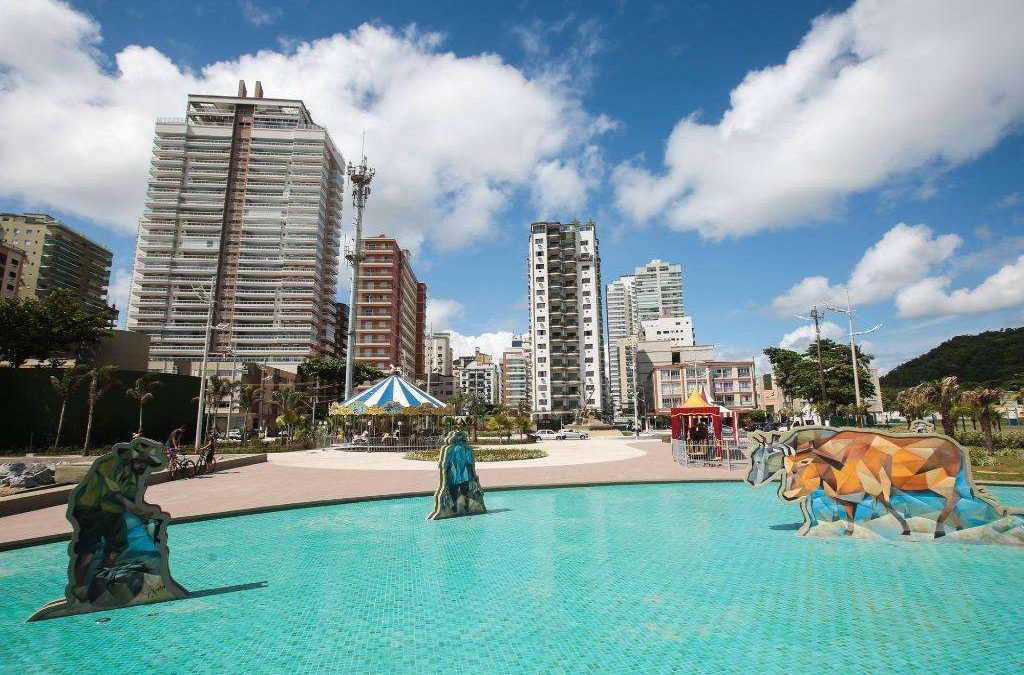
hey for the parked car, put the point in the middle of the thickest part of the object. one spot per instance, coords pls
(577, 435)
(236, 435)
(549, 434)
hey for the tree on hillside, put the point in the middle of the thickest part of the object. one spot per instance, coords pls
(990, 359)
(143, 392)
(100, 380)
(64, 386)
(799, 375)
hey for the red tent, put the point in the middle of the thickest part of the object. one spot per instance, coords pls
(697, 408)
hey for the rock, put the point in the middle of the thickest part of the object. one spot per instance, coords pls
(30, 476)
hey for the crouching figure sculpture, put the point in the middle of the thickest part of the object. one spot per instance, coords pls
(458, 491)
(859, 482)
(118, 549)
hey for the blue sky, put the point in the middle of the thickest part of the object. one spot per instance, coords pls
(773, 149)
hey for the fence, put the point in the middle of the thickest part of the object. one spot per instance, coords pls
(392, 444)
(728, 453)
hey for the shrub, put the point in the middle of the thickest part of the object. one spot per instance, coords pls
(482, 454)
(1001, 440)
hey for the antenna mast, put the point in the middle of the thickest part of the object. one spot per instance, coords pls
(360, 176)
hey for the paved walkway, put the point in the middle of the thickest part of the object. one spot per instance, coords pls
(560, 453)
(330, 477)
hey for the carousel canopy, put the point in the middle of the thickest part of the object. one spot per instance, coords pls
(394, 390)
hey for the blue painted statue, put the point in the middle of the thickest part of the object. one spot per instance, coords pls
(118, 549)
(458, 491)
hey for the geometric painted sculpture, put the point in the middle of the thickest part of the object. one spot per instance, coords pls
(458, 491)
(870, 484)
(118, 549)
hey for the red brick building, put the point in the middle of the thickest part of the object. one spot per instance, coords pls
(391, 308)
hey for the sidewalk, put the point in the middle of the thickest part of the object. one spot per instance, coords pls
(280, 483)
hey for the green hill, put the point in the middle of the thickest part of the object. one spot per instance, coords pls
(993, 358)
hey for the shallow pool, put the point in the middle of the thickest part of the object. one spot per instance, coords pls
(685, 578)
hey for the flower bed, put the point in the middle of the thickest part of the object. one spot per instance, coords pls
(482, 454)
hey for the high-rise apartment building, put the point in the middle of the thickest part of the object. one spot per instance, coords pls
(621, 304)
(658, 290)
(392, 308)
(439, 353)
(341, 330)
(12, 260)
(515, 374)
(57, 257)
(482, 380)
(566, 319)
(678, 329)
(245, 198)
(654, 292)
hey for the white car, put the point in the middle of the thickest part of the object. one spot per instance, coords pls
(548, 434)
(578, 435)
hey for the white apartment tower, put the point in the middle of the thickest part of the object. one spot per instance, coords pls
(244, 199)
(439, 353)
(566, 322)
(621, 303)
(515, 374)
(654, 292)
(482, 380)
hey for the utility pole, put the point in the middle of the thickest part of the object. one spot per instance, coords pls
(815, 316)
(636, 391)
(853, 345)
(360, 176)
(201, 408)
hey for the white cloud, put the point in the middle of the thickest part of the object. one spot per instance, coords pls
(930, 297)
(560, 187)
(451, 137)
(904, 255)
(489, 343)
(799, 339)
(441, 312)
(259, 16)
(884, 90)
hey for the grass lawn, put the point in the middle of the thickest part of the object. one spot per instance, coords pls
(1000, 468)
(482, 454)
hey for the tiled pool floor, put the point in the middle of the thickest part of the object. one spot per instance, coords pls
(686, 578)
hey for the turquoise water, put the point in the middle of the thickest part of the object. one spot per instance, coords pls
(625, 579)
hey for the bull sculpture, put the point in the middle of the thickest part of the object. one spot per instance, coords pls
(858, 474)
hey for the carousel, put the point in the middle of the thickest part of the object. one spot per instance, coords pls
(697, 431)
(392, 415)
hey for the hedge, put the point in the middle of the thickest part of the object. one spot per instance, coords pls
(482, 454)
(29, 409)
(1005, 439)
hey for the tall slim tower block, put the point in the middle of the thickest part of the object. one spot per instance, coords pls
(566, 319)
(245, 198)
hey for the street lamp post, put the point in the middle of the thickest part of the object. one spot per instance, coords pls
(201, 408)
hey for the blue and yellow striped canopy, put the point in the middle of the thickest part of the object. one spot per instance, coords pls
(394, 390)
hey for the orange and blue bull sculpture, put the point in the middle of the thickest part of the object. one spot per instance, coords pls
(858, 475)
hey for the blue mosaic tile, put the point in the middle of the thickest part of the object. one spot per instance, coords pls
(624, 579)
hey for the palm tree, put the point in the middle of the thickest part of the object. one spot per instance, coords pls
(288, 401)
(142, 391)
(100, 382)
(64, 386)
(216, 389)
(943, 395)
(913, 403)
(523, 424)
(248, 397)
(985, 400)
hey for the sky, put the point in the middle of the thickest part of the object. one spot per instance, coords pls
(783, 153)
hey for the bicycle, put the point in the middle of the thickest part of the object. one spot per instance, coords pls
(180, 466)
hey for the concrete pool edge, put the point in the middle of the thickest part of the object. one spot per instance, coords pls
(291, 506)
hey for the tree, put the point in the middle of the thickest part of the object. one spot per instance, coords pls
(290, 420)
(798, 375)
(101, 380)
(216, 389)
(985, 401)
(523, 424)
(54, 328)
(333, 371)
(942, 395)
(248, 396)
(143, 392)
(913, 403)
(64, 386)
(288, 401)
